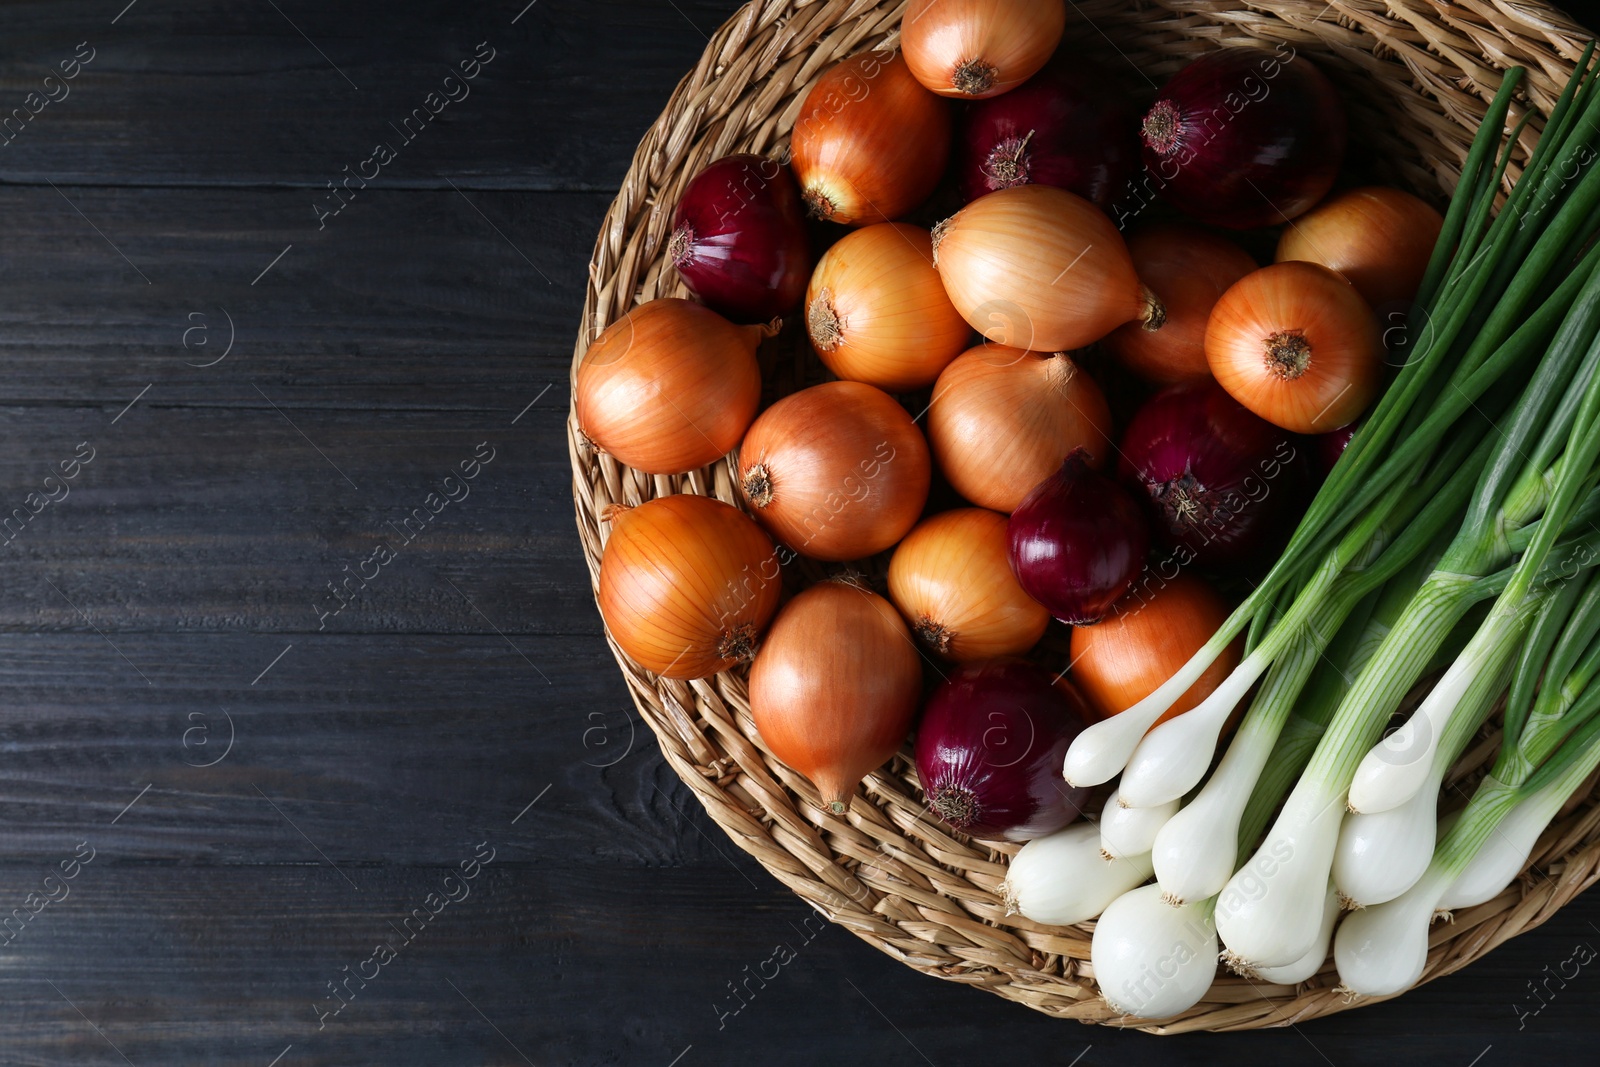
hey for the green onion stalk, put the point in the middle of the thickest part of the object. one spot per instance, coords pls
(1175, 756)
(1396, 769)
(1148, 917)
(1547, 752)
(1197, 850)
(1291, 869)
(1540, 471)
(1487, 313)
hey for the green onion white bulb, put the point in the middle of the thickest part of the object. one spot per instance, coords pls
(1063, 879)
(1130, 831)
(1309, 964)
(1153, 960)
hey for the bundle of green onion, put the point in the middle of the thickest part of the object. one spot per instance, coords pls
(1457, 531)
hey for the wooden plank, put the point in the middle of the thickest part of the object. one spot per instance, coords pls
(561, 965)
(406, 300)
(214, 519)
(201, 93)
(252, 747)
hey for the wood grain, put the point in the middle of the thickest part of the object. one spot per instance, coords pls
(273, 94)
(409, 299)
(170, 593)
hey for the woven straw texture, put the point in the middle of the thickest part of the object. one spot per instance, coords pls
(1415, 77)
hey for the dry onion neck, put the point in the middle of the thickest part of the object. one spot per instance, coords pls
(974, 77)
(818, 206)
(955, 804)
(933, 634)
(738, 644)
(1160, 127)
(940, 228)
(1288, 353)
(823, 322)
(757, 484)
(1185, 502)
(1060, 369)
(1006, 166)
(1154, 315)
(678, 244)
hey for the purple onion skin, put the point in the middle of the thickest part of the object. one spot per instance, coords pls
(1218, 478)
(1077, 541)
(990, 747)
(1331, 445)
(1069, 126)
(739, 239)
(1244, 137)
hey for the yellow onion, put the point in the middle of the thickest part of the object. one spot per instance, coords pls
(951, 578)
(1189, 269)
(1148, 636)
(1040, 268)
(978, 48)
(670, 386)
(869, 143)
(838, 471)
(1296, 344)
(835, 687)
(1379, 239)
(877, 311)
(687, 584)
(1003, 420)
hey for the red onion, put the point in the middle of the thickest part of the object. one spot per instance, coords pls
(1077, 542)
(1218, 478)
(1243, 137)
(990, 747)
(1331, 445)
(1067, 126)
(739, 239)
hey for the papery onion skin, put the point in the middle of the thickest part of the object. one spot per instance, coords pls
(989, 750)
(951, 579)
(979, 48)
(1243, 137)
(669, 387)
(876, 311)
(1039, 268)
(835, 686)
(837, 471)
(1297, 345)
(1188, 269)
(687, 584)
(1150, 634)
(1069, 126)
(1218, 479)
(739, 238)
(1379, 239)
(870, 142)
(1002, 420)
(1078, 542)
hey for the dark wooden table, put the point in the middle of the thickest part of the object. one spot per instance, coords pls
(263, 747)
